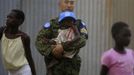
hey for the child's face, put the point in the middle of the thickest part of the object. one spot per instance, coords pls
(67, 23)
(123, 37)
(12, 21)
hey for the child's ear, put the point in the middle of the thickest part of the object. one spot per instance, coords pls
(116, 37)
(20, 21)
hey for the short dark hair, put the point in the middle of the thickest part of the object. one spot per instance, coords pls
(117, 27)
(19, 14)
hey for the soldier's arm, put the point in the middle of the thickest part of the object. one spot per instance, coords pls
(43, 44)
(79, 41)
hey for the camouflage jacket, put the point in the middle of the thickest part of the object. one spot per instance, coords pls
(46, 34)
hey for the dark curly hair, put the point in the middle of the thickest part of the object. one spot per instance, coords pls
(19, 14)
(117, 27)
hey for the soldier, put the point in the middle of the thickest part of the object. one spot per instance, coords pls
(60, 41)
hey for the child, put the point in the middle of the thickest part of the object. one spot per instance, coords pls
(15, 45)
(66, 33)
(119, 60)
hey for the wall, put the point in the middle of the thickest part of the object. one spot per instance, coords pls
(97, 14)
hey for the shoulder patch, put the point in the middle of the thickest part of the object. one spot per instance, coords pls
(83, 30)
(83, 24)
(47, 25)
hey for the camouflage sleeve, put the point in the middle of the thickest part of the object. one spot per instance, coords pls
(77, 43)
(42, 43)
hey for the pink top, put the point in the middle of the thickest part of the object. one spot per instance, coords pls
(119, 64)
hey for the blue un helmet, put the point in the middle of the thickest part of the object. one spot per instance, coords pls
(67, 15)
(63, 16)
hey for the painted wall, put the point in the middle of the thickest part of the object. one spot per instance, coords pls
(97, 14)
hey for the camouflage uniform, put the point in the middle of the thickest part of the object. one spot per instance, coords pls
(63, 66)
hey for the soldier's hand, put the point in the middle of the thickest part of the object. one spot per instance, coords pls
(58, 51)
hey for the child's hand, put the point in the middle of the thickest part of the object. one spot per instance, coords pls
(76, 31)
(58, 51)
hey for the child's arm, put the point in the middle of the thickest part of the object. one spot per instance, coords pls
(78, 42)
(26, 43)
(105, 63)
(104, 70)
